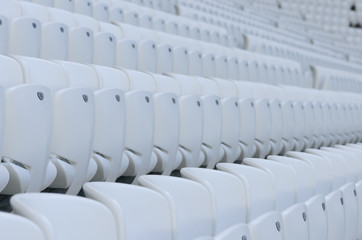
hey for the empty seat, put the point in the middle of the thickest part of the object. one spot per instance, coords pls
(315, 203)
(259, 186)
(11, 224)
(134, 208)
(228, 203)
(20, 29)
(64, 217)
(72, 125)
(191, 216)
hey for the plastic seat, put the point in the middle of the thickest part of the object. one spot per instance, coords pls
(20, 28)
(73, 123)
(84, 7)
(81, 39)
(101, 11)
(139, 133)
(192, 217)
(234, 233)
(65, 5)
(263, 125)
(54, 35)
(146, 57)
(64, 217)
(230, 131)
(134, 208)
(294, 215)
(167, 113)
(191, 122)
(267, 226)
(259, 186)
(228, 203)
(247, 122)
(11, 224)
(110, 122)
(315, 203)
(26, 149)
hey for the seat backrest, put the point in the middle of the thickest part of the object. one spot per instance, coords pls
(27, 148)
(234, 233)
(11, 224)
(190, 203)
(305, 179)
(321, 170)
(337, 164)
(350, 160)
(229, 203)
(259, 186)
(134, 208)
(283, 177)
(66, 217)
(267, 226)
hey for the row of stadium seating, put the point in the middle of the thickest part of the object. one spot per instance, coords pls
(314, 195)
(231, 119)
(191, 121)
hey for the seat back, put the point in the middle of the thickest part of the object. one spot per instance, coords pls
(305, 179)
(321, 170)
(259, 186)
(11, 224)
(66, 217)
(267, 226)
(190, 203)
(283, 177)
(134, 208)
(26, 149)
(229, 204)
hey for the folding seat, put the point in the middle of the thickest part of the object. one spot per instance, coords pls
(19, 29)
(101, 11)
(315, 202)
(122, 13)
(26, 149)
(81, 39)
(341, 173)
(271, 93)
(259, 188)
(4, 35)
(11, 224)
(267, 226)
(139, 133)
(65, 5)
(351, 163)
(48, 3)
(191, 121)
(234, 233)
(190, 203)
(73, 123)
(134, 208)
(247, 120)
(167, 113)
(212, 120)
(109, 125)
(139, 44)
(64, 217)
(84, 7)
(54, 35)
(260, 108)
(288, 94)
(104, 43)
(228, 203)
(294, 215)
(345, 194)
(180, 54)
